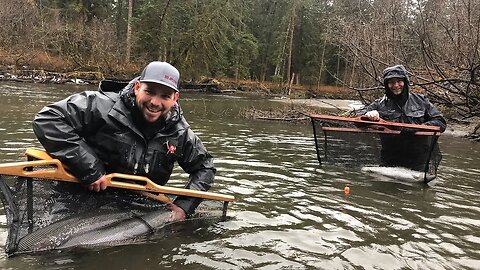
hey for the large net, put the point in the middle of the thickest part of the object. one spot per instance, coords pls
(45, 215)
(352, 144)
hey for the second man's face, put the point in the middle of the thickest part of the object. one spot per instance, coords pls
(396, 85)
(154, 100)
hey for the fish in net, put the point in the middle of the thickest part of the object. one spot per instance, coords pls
(377, 146)
(44, 215)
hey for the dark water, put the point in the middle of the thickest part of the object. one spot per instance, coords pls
(290, 213)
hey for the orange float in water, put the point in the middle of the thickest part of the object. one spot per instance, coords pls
(347, 189)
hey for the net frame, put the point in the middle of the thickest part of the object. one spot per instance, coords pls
(332, 126)
(42, 219)
(24, 195)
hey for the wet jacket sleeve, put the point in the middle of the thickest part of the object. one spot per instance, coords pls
(372, 106)
(59, 128)
(433, 117)
(198, 163)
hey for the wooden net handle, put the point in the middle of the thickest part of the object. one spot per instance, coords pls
(118, 180)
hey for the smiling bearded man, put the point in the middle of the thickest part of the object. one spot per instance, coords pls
(138, 129)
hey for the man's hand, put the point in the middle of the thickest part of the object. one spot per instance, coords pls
(177, 213)
(373, 115)
(100, 184)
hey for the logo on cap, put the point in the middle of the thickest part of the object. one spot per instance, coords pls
(168, 78)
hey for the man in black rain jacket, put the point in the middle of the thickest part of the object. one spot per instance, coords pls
(399, 105)
(139, 130)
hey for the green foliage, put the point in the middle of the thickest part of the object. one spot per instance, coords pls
(276, 78)
(267, 25)
(240, 39)
(334, 41)
(243, 52)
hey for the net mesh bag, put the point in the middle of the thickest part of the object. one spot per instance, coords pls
(45, 215)
(351, 144)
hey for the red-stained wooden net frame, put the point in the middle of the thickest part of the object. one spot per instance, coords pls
(329, 124)
(365, 120)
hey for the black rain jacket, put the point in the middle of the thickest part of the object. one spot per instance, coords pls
(93, 133)
(414, 109)
(410, 151)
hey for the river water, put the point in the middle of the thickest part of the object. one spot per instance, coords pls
(290, 212)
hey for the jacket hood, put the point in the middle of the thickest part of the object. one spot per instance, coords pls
(400, 72)
(127, 95)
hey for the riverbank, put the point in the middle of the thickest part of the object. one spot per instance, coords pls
(322, 97)
(28, 74)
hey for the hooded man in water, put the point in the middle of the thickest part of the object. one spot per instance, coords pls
(399, 105)
(139, 130)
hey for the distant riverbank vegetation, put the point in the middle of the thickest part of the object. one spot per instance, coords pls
(290, 44)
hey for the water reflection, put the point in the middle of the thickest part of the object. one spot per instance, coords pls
(290, 212)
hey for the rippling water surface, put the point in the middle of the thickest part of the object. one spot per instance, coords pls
(289, 213)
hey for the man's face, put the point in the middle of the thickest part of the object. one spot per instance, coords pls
(154, 100)
(396, 85)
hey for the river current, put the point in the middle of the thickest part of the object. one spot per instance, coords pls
(290, 212)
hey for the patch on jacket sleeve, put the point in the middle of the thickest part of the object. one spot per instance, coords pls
(171, 147)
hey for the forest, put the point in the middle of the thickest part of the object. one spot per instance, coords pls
(313, 43)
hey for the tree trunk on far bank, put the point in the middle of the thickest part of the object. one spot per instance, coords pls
(129, 31)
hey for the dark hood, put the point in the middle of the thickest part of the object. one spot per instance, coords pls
(127, 95)
(397, 71)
